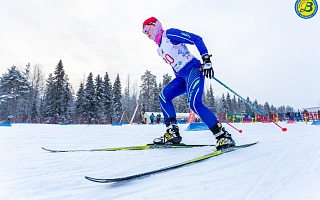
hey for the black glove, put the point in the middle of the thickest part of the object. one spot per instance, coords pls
(207, 66)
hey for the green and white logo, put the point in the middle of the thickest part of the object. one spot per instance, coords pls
(306, 8)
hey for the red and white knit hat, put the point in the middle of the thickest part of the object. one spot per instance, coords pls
(149, 21)
(152, 21)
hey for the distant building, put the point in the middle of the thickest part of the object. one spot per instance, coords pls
(311, 109)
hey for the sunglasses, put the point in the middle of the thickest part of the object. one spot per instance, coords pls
(146, 29)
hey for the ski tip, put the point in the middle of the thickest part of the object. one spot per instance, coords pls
(256, 142)
(284, 129)
(90, 178)
(44, 149)
(97, 180)
(49, 150)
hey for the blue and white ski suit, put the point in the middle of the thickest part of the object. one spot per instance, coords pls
(189, 79)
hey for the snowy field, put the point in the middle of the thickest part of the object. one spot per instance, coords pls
(284, 165)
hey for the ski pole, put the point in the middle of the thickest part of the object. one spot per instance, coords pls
(250, 104)
(240, 131)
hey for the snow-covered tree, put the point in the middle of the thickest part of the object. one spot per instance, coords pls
(210, 100)
(230, 108)
(99, 97)
(80, 109)
(156, 102)
(181, 104)
(148, 82)
(14, 89)
(49, 98)
(248, 108)
(281, 109)
(116, 100)
(108, 95)
(89, 98)
(234, 103)
(266, 108)
(59, 79)
(241, 106)
(166, 78)
(58, 99)
(68, 102)
(273, 109)
(224, 106)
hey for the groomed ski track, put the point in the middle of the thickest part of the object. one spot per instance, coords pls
(284, 165)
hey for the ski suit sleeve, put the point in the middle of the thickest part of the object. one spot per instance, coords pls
(177, 36)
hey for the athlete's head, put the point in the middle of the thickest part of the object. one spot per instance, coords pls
(152, 27)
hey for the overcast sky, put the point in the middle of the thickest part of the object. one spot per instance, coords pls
(261, 49)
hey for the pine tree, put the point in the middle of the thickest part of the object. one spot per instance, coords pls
(289, 109)
(148, 82)
(273, 109)
(49, 97)
(14, 89)
(266, 108)
(58, 101)
(67, 102)
(116, 101)
(156, 101)
(99, 97)
(211, 102)
(90, 100)
(166, 80)
(241, 106)
(257, 105)
(281, 109)
(248, 108)
(108, 95)
(59, 82)
(80, 101)
(224, 106)
(204, 98)
(181, 104)
(235, 105)
(28, 101)
(230, 108)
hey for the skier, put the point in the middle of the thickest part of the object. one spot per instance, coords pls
(190, 75)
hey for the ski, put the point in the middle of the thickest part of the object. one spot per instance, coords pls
(142, 147)
(171, 167)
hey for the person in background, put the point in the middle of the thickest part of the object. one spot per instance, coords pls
(190, 75)
(152, 118)
(158, 118)
(8, 120)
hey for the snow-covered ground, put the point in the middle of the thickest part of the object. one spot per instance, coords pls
(284, 165)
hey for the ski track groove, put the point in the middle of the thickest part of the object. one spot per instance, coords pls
(293, 182)
(287, 180)
(265, 175)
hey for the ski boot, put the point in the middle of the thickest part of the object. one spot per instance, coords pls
(224, 139)
(172, 136)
